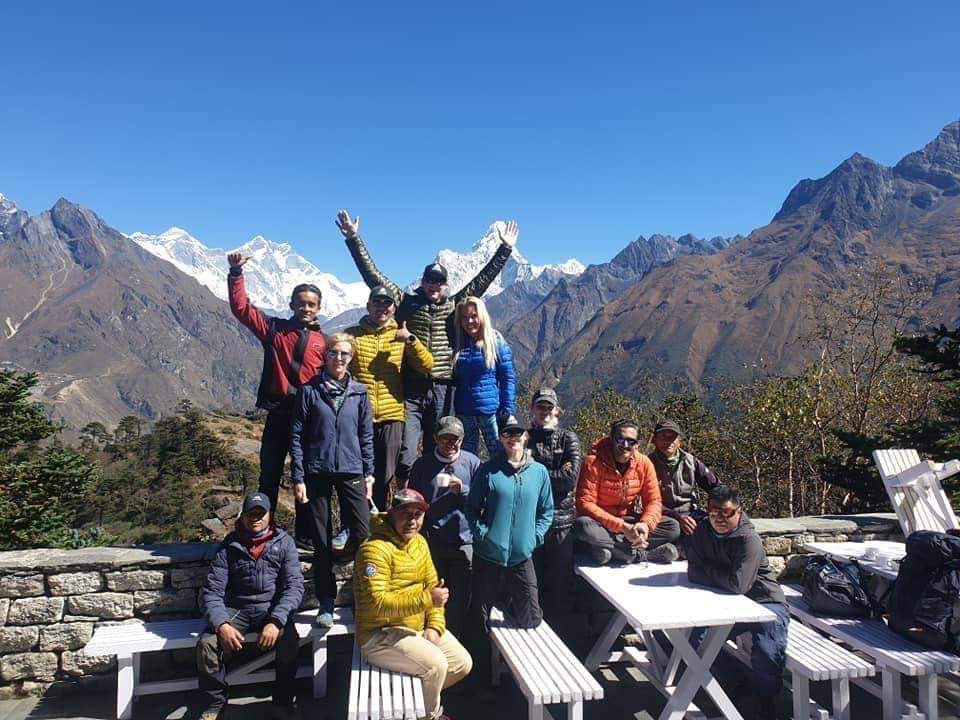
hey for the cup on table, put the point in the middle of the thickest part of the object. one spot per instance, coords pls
(872, 553)
(443, 480)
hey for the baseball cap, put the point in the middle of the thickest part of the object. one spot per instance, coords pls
(381, 291)
(667, 425)
(435, 273)
(408, 496)
(511, 425)
(546, 394)
(256, 500)
(450, 425)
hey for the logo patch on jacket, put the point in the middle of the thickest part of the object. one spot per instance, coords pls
(370, 570)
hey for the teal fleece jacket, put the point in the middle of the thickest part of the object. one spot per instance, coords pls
(509, 510)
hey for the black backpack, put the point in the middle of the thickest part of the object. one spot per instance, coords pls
(833, 588)
(923, 602)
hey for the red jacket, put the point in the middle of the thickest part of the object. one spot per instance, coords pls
(607, 496)
(284, 342)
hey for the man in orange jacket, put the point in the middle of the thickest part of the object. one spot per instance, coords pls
(618, 501)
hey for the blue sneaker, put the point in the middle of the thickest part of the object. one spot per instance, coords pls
(340, 540)
(325, 614)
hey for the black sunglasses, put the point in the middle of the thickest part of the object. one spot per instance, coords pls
(514, 432)
(629, 442)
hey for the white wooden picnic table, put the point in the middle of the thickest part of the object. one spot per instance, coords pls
(661, 598)
(884, 564)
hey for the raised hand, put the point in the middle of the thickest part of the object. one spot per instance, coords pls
(402, 333)
(347, 226)
(236, 259)
(508, 235)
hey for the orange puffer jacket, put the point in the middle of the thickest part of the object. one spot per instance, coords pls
(607, 496)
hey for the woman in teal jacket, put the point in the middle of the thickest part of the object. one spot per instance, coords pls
(510, 509)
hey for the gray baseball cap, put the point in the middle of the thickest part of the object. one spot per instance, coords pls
(546, 394)
(449, 425)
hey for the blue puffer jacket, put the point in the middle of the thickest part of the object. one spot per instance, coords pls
(324, 440)
(481, 390)
(509, 509)
(271, 585)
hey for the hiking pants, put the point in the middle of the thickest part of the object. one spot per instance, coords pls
(274, 446)
(421, 411)
(387, 440)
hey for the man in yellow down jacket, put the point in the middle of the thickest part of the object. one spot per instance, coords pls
(380, 351)
(399, 603)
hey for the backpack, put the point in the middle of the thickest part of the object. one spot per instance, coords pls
(832, 587)
(923, 602)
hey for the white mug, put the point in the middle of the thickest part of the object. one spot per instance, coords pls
(872, 553)
(443, 480)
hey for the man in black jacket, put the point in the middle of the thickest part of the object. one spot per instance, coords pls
(255, 584)
(680, 474)
(559, 451)
(727, 554)
(428, 314)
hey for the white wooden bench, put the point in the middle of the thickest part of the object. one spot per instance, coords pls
(544, 668)
(379, 694)
(813, 657)
(893, 654)
(130, 641)
(915, 491)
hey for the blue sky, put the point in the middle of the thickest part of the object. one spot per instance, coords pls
(588, 123)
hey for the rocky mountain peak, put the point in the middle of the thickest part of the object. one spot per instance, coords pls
(938, 163)
(82, 229)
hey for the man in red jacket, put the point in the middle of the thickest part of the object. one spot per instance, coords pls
(293, 350)
(618, 500)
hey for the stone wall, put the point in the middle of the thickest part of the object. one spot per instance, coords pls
(51, 601)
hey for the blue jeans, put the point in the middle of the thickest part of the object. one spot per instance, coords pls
(768, 656)
(476, 425)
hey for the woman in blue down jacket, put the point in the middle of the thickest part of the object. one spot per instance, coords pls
(486, 383)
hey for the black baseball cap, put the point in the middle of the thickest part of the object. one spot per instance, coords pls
(546, 394)
(667, 425)
(382, 291)
(256, 500)
(435, 273)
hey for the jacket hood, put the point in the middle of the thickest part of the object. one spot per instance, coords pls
(367, 324)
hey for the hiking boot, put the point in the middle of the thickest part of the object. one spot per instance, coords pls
(214, 711)
(325, 614)
(664, 554)
(600, 555)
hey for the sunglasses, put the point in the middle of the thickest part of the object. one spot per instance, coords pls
(448, 439)
(720, 512)
(338, 354)
(626, 441)
(382, 301)
(515, 432)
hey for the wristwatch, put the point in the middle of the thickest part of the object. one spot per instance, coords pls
(412, 339)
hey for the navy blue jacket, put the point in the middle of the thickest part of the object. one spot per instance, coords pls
(445, 520)
(482, 390)
(323, 440)
(271, 585)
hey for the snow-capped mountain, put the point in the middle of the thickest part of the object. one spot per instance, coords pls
(275, 268)
(271, 273)
(462, 267)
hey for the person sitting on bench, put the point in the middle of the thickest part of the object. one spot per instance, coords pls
(255, 584)
(726, 553)
(399, 603)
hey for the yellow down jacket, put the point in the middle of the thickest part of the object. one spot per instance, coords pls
(377, 359)
(391, 582)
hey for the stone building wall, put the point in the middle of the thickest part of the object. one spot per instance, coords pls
(51, 601)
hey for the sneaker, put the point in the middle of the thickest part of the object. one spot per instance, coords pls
(601, 556)
(324, 615)
(664, 554)
(639, 556)
(340, 540)
(304, 544)
(214, 711)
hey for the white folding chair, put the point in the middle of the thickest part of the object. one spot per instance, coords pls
(915, 490)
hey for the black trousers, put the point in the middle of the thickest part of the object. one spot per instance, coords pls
(274, 446)
(590, 534)
(387, 440)
(513, 588)
(454, 564)
(553, 562)
(212, 659)
(422, 408)
(354, 514)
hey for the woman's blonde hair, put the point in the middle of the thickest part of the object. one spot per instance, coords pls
(488, 336)
(341, 337)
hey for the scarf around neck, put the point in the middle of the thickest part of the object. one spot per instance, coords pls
(256, 543)
(335, 389)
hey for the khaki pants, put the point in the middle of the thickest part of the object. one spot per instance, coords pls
(404, 650)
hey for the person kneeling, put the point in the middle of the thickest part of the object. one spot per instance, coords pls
(255, 584)
(727, 554)
(399, 603)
